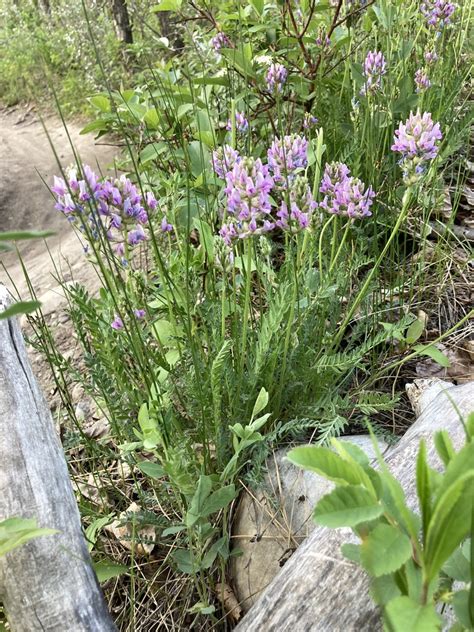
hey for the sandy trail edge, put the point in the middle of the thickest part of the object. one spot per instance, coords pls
(26, 157)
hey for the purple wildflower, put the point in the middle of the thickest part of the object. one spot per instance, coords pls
(287, 156)
(375, 67)
(151, 201)
(241, 123)
(417, 141)
(431, 57)
(136, 235)
(422, 80)
(117, 323)
(297, 215)
(437, 13)
(276, 77)
(309, 121)
(59, 187)
(344, 194)
(139, 313)
(224, 159)
(220, 41)
(165, 226)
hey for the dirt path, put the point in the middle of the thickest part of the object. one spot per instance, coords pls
(25, 202)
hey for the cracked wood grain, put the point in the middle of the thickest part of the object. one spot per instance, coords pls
(49, 583)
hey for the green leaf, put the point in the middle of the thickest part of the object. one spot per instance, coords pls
(458, 567)
(403, 614)
(153, 470)
(385, 550)
(351, 552)
(203, 490)
(94, 126)
(348, 449)
(383, 589)
(152, 119)
(22, 307)
(100, 102)
(15, 532)
(258, 5)
(434, 353)
(218, 500)
(444, 446)
(461, 608)
(323, 461)
(17, 235)
(152, 151)
(450, 523)
(414, 331)
(423, 487)
(184, 560)
(172, 530)
(393, 499)
(106, 570)
(347, 506)
(260, 403)
(167, 5)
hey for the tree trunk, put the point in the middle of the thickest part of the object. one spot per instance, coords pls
(47, 584)
(123, 26)
(320, 590)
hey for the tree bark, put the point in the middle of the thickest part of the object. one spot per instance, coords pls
(318, 589)
(123, 25)
(47, 584)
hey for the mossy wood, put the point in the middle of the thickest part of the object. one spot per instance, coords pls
(318, 589)
(47, 584)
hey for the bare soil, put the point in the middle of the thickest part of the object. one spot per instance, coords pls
(27, 165)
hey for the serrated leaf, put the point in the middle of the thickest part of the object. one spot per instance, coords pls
(385, 550)
(351, 551)
(383, 589)
(346, 506)
(404, 614)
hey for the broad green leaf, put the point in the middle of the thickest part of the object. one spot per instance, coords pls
(100, 102)
(394, 500)
(347, 506)
(351, 552)
(347, 449)
(258, 5)
(94, 528)
(403, 614)
(434, 353)
(94, 126)
(458, 567)
(423, 487)
(22, 307)
(218, 500)
(106, 570)
(444, 446)
(449, 524)
(15, 532)
(385, 550)
(462, 462)
(153, 470)
(323, 461)
(414, 331)
(203, 490)
(184, 560)
(461, 608)
(152, 119)
(17, 235)
(173, 530)
(383, 589)
(152, 151)
(260, 403)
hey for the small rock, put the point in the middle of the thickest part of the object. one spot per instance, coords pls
(77, 393)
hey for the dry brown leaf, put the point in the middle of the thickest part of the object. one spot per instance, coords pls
(90, 491)
(97, 428)
(226, 596)
(124, 532)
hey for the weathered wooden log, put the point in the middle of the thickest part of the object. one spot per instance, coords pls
(318, 589)
(49, 583)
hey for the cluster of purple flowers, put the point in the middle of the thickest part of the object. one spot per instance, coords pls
(437, 13)
(309, 120)
(343, 194)
(111, 204)
(417, 142)
(117, 322)
(286, 157)
(220, 41)
(422, 80)
(431, 57)
(253, 189)
(276, 77)
(241, 123)
(375, 67)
